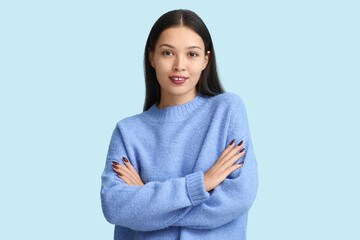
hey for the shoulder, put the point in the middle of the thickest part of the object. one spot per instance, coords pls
(130, 122)
(228, 99)
(233, 104)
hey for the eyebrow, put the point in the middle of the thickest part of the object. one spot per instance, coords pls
(170, 46)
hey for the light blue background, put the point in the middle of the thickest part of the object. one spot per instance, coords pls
(70, 70)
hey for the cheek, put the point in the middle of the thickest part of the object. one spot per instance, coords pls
(163, 66)
(196, 67)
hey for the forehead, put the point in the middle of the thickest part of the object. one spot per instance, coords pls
(180, 37)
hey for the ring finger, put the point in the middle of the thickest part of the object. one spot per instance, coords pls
(124, 171)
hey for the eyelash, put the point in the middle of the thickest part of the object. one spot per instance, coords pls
(165, 53)
(191, 54)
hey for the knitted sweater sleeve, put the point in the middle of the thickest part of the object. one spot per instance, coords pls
(236, 194)
(154, 206)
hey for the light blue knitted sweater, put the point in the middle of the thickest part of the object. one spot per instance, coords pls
(171, 149)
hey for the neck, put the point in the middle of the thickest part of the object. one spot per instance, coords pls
(176, 113)
(167, 100)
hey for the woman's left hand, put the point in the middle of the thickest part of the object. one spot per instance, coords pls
(127, 173)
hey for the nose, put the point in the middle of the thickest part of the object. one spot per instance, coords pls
(179, 64)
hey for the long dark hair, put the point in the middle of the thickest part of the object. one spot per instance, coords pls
(209, 83)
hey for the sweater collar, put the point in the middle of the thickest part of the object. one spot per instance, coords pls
(175, 113)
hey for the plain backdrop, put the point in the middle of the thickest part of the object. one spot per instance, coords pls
(70, 70)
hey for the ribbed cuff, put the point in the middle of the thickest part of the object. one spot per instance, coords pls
(196, 188)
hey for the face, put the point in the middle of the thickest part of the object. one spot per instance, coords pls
(178, 58)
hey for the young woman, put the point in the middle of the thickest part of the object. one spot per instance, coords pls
(184, 168)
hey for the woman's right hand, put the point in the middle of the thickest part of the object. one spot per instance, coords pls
(224, 166)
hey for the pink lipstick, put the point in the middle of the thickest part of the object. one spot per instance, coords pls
(178, 79)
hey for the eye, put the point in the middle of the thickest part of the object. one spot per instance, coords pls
(193, 54)
(167, 53)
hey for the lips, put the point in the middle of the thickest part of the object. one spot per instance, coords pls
(178, 78)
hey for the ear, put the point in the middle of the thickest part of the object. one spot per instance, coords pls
(151, 58)
(206, 59)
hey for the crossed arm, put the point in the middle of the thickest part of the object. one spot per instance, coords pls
(222, 194)
(223, 205)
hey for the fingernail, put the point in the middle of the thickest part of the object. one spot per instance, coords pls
(115, 163)
(124, 158)
(241, 163)
(115, 166)
(232, 141)
(119, 174)
(240, 142)
(242, 150)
